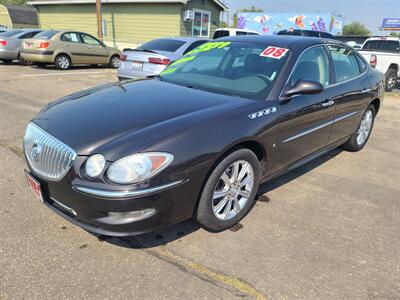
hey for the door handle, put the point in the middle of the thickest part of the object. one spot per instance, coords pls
(328, 103)
(366, 91)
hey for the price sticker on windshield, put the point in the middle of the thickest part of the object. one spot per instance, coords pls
(274, 52)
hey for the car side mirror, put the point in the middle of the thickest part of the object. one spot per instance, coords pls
(303, 87)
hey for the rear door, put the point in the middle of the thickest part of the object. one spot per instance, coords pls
(305, 120)
(95, 52)
(71, 43)
(352, 90)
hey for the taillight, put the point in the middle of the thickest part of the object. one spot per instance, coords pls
(373, 60)
(3, 43)
(43, 45)
(123, 57)
(159, 61)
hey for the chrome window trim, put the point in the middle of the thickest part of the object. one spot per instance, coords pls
(124, 194)
(310, 130)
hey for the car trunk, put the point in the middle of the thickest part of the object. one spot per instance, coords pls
(36, 44)
(144, 63)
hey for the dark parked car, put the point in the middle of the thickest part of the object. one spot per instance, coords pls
(126, 158)
(310, 33)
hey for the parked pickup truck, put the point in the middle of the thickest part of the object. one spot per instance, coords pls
(383, 53)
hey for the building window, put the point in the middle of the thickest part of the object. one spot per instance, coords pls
(201, 23)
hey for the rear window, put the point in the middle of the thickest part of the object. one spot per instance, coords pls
(162, 45)
(46, 35)
(220, 33)
(382, 45)
(10, 33)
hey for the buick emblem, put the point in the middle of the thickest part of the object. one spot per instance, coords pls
(35, 151)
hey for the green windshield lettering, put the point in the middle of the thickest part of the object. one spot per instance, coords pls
(182, 60)
(209, 46)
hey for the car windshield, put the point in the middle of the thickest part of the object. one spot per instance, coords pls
(168, 45)
(10, 33)
(241, 69)
(46, 35)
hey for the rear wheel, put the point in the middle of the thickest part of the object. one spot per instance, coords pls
(390, 80)
(63, 62)
(114, 62)
(360, 137)
(229, 192)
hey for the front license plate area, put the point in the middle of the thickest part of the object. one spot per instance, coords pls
(34, 185)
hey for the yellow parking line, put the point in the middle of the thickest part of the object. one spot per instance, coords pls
(233, 282)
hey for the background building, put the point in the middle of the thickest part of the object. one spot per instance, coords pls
(132, 22)
(12, 16)
(274, 22)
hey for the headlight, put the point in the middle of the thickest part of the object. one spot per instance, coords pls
(95, 165)
(138, 167)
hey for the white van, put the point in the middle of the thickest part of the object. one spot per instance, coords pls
(222, 32)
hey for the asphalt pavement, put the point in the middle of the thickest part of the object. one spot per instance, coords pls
(329, 230)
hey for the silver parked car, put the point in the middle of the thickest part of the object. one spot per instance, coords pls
(11, 42)
(153, 57)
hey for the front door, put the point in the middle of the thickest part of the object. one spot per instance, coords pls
(94, 50)
(352, 91)
(71, 44)
(305, 120)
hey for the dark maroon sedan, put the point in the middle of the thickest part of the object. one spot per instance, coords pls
(196, 141)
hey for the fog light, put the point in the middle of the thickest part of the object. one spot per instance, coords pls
(117, 218)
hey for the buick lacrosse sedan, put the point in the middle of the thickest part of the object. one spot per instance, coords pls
(197, 140)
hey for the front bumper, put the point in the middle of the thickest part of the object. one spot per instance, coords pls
(106, 212)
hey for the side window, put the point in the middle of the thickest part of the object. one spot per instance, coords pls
(71, 37)
(88, 39)
(393, 46)
(194, 45)
(312, 65)
(361, 64)
(344, 62)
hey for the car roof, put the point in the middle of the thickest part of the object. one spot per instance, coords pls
(289, 41)
(183, 38)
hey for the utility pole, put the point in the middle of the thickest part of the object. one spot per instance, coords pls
(99, 20)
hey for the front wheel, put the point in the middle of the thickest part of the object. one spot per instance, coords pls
(360, 137)
(63, 62)
(114, 62)
(229, 192)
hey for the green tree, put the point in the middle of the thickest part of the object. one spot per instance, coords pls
(355, 28)
(251, 9)
(394, 34)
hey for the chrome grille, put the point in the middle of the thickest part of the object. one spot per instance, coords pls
(47, 156)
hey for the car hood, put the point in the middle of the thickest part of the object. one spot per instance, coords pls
(129, 115)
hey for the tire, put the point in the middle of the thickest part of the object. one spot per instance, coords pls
(356, 143)
(390, 80)
(62, 62)
(114, 62)
(212, 211)
(6, 61)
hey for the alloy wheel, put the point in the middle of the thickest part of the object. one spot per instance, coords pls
(63, 62)
(233, 190)
(365, 127)
(115, 62)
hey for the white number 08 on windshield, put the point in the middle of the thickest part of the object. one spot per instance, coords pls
(274, 52)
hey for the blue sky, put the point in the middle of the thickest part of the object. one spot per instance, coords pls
(368, 12)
